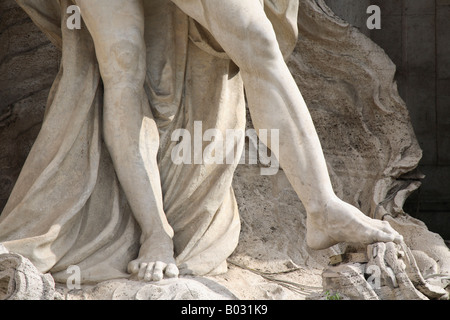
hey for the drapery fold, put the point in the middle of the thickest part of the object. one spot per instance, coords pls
(67, 207)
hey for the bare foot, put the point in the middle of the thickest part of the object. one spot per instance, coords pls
(155, 260)
(342, 222)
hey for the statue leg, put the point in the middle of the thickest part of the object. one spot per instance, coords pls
(275, 102)
(130, 132)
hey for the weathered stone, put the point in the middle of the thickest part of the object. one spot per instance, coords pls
(168, 289)
(20, 280)
(391, 273)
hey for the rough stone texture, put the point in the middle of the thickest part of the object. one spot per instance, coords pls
(363, 124)
(170, 289)
(385, 271)
(353, 11)
(20, 280)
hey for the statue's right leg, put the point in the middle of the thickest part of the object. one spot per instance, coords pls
(275, 102)
(130, 132)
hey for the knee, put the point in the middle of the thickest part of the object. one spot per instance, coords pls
(126, 53)
(124, 60)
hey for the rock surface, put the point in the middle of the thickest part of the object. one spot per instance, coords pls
(385, 271)
(20, 280)
(171, 289)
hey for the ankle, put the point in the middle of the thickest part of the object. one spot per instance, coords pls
(317, 207)
(155, 235)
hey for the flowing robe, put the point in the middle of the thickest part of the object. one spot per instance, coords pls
(68, 208)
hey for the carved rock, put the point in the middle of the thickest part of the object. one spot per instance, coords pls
(389, 273)
(168, 289)
(20, 280)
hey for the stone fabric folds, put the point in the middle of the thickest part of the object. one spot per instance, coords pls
(68, 208)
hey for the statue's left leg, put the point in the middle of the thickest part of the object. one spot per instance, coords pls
(129, 130)
(275, 102)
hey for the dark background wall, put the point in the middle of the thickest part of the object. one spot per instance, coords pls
(416, 36)
(28, 66)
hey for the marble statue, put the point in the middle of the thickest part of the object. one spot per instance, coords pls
(99, 189)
